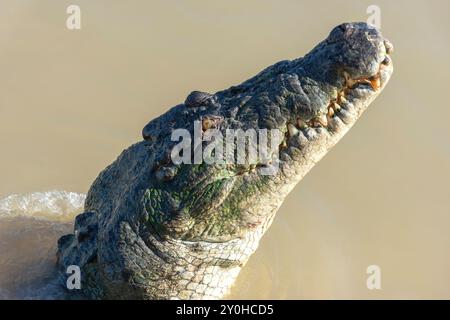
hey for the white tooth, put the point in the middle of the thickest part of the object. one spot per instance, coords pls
(387, 61)
(330, 111)
(300, 123)
(292, 129)
(389, 46)
(346, 75)
(329, 118)
(336, 106)
(323, 120)
(349, 81)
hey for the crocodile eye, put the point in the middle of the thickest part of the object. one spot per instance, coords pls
(197, 99)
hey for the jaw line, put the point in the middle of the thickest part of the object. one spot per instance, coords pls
(312, 140)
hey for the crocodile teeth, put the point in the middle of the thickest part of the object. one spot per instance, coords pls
(387, 61)
(329, 118)
(389, 47)
(330, 111)
(292, 129)
(348, 80)
(301, 124)
(375, 82)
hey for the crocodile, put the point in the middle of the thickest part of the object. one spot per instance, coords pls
(153, 228)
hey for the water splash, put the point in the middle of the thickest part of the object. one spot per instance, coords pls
(52, 205)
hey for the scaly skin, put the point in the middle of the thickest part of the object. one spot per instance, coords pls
(156, 230)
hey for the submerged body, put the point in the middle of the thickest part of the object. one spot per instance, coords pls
(154, 229)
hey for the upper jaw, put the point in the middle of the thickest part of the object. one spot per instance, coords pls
(354, 97)
(306, 140)
(363, 85)
(312, 138)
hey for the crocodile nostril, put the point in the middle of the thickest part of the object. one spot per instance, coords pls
(387, 61)
(389, 46)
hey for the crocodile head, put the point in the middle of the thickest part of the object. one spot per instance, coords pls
(312, 101)
(170, 229)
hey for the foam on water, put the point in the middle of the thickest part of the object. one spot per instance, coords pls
(48, 205)
(30, 225)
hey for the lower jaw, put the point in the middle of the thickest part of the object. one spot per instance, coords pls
(309, 144)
